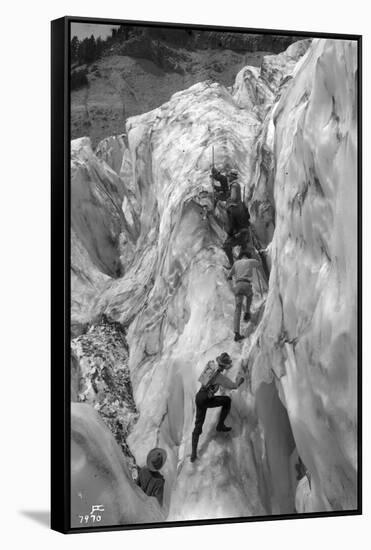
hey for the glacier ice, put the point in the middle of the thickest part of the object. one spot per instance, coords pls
(144, 256)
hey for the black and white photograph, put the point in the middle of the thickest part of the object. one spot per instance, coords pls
(213, 252)
(186, 238)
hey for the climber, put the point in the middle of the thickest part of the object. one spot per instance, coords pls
(211, 379)
(149, 479)
(221, 188)
(234, 187)
(242, 271)
(238, 228)
(238, 217)
(227, 185)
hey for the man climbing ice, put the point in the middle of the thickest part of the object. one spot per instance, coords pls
(242, 271)
(238, 220)
(221, 188)
(228, 187)
(234, 188)
(211, 379)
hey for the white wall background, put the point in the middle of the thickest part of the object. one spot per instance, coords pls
(25, 321)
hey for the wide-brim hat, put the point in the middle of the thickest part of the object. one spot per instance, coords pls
(224, 360)
(156, 458)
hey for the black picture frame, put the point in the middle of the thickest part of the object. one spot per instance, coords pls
(60, 269)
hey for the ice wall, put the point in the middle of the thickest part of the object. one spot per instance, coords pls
(307, 340)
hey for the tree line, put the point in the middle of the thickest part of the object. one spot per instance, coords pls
(90, 49)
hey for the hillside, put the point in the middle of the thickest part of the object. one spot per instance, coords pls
(138, 74)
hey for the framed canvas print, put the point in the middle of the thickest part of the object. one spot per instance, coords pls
(206, 291)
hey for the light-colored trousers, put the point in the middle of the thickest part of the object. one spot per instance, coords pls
(242, 289)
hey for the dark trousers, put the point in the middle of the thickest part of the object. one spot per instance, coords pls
(203, 402)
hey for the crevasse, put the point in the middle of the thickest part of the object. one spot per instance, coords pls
(143, 255)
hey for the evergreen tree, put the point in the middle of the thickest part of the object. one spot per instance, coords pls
(90, 50)
(74, 49)
(99, 47)
(81, 54)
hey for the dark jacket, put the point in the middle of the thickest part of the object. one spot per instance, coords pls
(235, 191)
(152, 483)
(223, 190)
(238, 218)
(223, 180)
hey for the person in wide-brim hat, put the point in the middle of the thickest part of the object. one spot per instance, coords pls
(206, 399)
(149, 478)
(156, 458)
(224, 360)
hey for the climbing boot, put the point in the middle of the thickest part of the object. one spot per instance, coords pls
(195, 438)
(238, 337)
(223, 428)
(247, 317)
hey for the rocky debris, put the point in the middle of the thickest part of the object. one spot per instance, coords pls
(100, 363)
